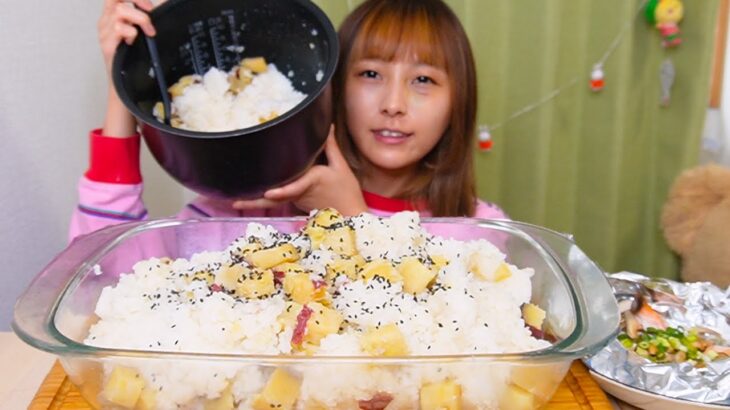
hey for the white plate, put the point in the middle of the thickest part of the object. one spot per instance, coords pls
(647, 400)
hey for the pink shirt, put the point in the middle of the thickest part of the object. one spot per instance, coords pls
(111, 193)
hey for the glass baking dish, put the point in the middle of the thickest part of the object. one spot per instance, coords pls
(56, 311)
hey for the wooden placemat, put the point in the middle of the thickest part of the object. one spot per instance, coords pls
(578, 391)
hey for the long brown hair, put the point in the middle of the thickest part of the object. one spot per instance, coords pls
(430, 31)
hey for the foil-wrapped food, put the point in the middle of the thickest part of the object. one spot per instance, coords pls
(674, 339)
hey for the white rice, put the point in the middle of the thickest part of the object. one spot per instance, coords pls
(156, 308)
(209, 106)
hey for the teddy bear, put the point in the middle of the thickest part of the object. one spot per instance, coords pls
(696, 223)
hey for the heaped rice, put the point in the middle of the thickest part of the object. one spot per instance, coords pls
(360, 286)
(251, 93)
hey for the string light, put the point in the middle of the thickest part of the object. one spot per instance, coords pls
(484, 131)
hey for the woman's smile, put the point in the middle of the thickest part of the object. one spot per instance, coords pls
(391, 136)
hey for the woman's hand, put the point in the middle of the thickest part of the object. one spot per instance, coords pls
(117, 23)
(322, 186)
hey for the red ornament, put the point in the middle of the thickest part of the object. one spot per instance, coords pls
(485, 138)
(597, 82)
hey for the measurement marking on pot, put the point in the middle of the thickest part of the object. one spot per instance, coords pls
(214, 39)
(234, 34)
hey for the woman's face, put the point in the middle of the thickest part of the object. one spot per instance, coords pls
(396, 111)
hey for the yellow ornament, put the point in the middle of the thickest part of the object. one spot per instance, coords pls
(666, 15)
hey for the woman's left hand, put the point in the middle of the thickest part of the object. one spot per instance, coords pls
(323, 186)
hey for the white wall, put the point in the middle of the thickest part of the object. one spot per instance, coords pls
(52, 90)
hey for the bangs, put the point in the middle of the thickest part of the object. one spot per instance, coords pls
(397, 33)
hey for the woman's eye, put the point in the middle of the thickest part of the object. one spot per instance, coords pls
(369, 74)
(422, 79)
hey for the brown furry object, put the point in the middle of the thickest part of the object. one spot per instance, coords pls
(696, 223)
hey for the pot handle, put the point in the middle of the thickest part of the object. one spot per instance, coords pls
(599, 314)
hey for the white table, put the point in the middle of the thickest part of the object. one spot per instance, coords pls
(22, 370)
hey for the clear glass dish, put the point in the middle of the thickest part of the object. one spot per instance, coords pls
(56, 311)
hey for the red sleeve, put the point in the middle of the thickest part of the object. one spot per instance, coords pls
(114, 160)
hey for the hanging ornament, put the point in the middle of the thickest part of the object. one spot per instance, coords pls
(485, 138)
(597, 82)
(665, 15)
(666, 77)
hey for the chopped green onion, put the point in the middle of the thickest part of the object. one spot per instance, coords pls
(670, 345)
